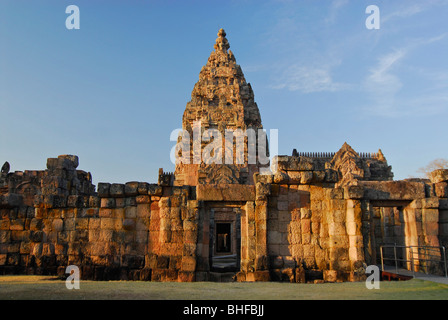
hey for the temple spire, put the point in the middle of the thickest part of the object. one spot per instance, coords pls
(221, 42)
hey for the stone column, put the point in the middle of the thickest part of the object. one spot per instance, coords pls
(248, 241)
(261, 248)
(190, 217)
(353, 225)
(410, 233)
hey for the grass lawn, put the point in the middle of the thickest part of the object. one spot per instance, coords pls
(48, 288)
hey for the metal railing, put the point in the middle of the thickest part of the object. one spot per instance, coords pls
(418, 257)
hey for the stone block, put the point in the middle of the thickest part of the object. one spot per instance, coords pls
(440, 175)
(188, 263)
(17, 224)
(430, 215)
(306, 177)
(319, 176)
(4, 224)
(430, 203)
(105, 213)
(306, 238)
(143, 199)
(339, 254)
(143, 188)
(294, 177)
(186, 276)
(393, 190)
(224, 192)
(305, 213)
(57, 225)
(131, 188)
(431, 228)
(154, 190)
(143, 211)
(262, 190)
(353, 192)
(107, 202)
(129, 224)
(103, 190)
(116, 190)
(306, 225)
(441, 189)
(108, 223)
(331, 176)
(300, 275)
(94, 202)
(130, 212)
(164, 202)
(330, 275)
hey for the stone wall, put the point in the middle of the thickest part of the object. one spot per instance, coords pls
(298, 225)
(136, 231)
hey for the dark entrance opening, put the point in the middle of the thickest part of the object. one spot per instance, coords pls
(223, 238)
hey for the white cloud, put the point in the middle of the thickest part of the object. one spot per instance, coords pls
(404, 12)
(308, 79)
(381, 78)
(384, 85)
(334, 9)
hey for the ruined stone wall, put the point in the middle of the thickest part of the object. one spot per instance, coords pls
(313, 231)
(319, 230)
(297, 225)
(439, 178)
(136, 231)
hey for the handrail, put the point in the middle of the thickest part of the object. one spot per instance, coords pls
(412, 257)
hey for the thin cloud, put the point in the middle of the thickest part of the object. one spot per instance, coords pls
(404, 12)
(307, 79)
(384, 85)
(336, 5)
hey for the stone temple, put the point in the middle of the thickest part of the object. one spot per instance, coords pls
(318, 217)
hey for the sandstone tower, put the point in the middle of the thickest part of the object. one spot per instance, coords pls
(221, 101)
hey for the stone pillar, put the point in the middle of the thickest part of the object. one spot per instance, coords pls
(338, 245)
(254, 258)
(248, 241)
(261, 248)
(410, 233)
(203, 243)
(165, 227)
(353, 226)
(190, 217)
(430, 221)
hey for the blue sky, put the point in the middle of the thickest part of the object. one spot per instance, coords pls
(112, 91)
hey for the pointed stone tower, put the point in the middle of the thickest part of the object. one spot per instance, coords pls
(221, 102)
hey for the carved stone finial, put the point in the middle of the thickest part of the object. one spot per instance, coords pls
(381, 155)
(221, 42)
(5, 168)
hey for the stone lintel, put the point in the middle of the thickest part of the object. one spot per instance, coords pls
(393, 190)
(225, 192)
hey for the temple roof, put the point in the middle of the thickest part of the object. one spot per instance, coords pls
(222, 98)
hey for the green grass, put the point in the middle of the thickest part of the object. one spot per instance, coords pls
(41, 287)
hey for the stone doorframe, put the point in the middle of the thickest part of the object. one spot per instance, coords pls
(229, 212)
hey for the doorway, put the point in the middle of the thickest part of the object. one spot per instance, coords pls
(225, 238)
